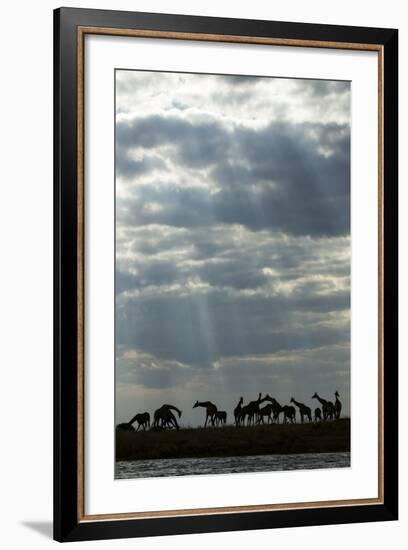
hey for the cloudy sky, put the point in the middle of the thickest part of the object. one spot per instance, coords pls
(232, 240)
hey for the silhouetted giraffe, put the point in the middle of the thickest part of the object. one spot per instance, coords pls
(164, 417)
(221, 417)
(327, 406)
(267, 412)
(238, 412)
(211, 411)
(252, 409)
(337, 406)
(263, 399)
(304, 410)
(276, 408)
(318, 414)
(142, 419)
(289, 414)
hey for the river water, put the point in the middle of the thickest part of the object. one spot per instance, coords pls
(229, 465)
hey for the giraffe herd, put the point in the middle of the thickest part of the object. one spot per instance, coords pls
(271, 413)
(250, 414)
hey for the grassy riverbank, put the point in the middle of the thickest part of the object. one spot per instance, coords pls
(323, 437)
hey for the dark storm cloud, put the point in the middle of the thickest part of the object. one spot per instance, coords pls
(196, 145)
(193, 329)
(141, 368)
(228, 257)
(220, 262)
(288, 177)
(128, 167)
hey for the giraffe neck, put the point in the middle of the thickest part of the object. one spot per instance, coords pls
(322, 401)
(174, 409)
(133, 419)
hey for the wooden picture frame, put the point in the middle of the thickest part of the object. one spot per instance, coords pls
(71, 522)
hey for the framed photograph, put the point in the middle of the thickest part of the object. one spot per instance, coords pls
(225, 274)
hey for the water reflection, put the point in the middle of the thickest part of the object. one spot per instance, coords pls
(229, 465)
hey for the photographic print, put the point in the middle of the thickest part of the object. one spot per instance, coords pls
(232, 274)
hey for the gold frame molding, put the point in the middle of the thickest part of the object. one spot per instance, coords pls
(82, 31)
